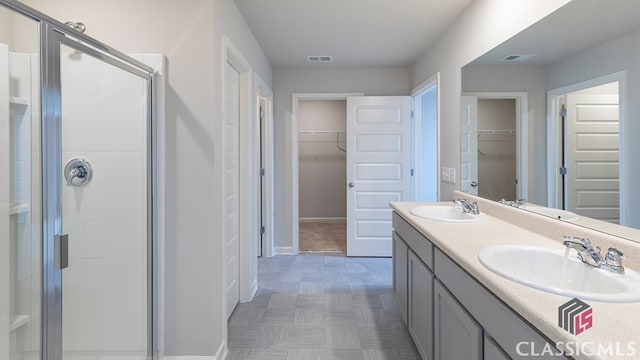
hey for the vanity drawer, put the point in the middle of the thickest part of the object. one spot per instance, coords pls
(416, 241)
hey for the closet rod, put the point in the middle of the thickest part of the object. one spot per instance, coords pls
(480, 132)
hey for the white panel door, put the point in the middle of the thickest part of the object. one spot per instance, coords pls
(592, 185)
(378, 169)
(469, 144)
(231, 188)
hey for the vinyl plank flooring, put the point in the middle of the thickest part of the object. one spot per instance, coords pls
(321, 307)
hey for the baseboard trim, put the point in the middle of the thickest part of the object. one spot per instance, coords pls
(283, 250)
(221, 354)
(329, 220)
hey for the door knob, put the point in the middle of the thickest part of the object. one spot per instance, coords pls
(351, 185)
(474, 184)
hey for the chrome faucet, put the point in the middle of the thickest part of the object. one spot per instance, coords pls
(514, 203)
(590, 255)
(467, 206)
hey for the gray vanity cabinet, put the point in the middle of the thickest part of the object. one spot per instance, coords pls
(492, 351)
(400, 280)
(456, 334)
(420, 324)
(450, 315)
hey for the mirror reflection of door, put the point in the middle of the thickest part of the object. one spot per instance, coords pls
(591, 186)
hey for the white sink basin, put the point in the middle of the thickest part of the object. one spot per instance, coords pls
(445, 213)
(551, 212)
(549, 270)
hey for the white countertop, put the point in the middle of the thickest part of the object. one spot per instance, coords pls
(612, 322)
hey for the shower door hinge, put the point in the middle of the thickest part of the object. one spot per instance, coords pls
(412, 114)
(411, 172)
(563, 171)
(261, 171)
(262, 230)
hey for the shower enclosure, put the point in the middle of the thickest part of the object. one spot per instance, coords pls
(76, 194)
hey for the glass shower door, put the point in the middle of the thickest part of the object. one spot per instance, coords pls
(20, 183)
(103, 160)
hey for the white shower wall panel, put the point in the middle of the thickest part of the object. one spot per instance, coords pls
(105, 285)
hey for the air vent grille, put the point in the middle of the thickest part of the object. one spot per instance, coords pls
(319, 59)
(518, 57)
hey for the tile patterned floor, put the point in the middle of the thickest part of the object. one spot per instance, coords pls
(321, 307)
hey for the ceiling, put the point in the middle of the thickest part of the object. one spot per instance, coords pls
(575, 27)
(354, 32)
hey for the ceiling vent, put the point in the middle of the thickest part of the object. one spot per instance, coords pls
(518, 57)
(319, 59)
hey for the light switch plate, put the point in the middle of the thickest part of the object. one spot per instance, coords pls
(445, 174)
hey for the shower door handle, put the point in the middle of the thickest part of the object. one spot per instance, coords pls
(61, 251)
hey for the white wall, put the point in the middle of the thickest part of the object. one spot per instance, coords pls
(286, 81)
(485, 24)
(190, 35)
(322, 167)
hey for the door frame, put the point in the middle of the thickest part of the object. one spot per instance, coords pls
(554, 152)
(522, 133)
(416, 124)
(294, 162)
(248, 265)
(264, 94)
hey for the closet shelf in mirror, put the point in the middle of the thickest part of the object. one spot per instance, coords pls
(320, 132)
(21, 101)
(493, 132)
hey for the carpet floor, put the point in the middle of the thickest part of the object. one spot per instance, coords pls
(323, 236)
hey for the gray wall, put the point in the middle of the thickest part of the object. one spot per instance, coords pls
(189, 34)
(322, 167)
(533, 81)
(482, 26)
(286, 81)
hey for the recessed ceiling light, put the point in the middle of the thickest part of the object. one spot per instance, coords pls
(319, 58)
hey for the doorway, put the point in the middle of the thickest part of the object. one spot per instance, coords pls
(426, 140)
(493, 145)
(322, 174)
(588, 150)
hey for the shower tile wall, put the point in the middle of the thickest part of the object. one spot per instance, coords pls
(105, 285)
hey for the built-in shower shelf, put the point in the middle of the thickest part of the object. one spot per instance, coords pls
(20, 101)
(19, 208)
(18, 321)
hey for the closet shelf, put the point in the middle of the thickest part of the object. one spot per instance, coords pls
(18, 321)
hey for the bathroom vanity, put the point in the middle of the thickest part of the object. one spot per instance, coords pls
(456, 308)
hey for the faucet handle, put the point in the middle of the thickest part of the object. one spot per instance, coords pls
(613, 260)
(575, 239)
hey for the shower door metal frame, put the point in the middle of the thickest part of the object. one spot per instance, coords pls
(52, 40)
(53, 34)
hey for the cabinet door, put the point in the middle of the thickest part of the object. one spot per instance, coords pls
(492, 351)
(457, 335)
(400, 253)
(421, 306)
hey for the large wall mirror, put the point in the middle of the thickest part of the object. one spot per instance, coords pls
(551, 117)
